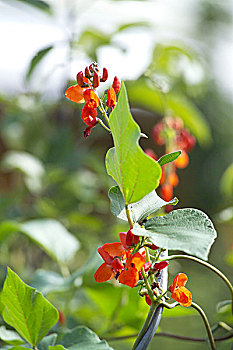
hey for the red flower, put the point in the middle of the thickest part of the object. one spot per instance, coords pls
(130, 275)
(116, 85)
(128, 239)
(110, 252)
(111, 98)
(88, 115)
(179, 292)
(75, 93)
(91, 99)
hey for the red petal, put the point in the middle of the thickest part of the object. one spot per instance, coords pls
(104, 273)
(129, 277)
(114, 249)
(137, 260)
(75, 94)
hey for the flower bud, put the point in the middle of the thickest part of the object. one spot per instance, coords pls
(87, 72)
(116, 85)
(96, 80)
(105, 75)
(80, 78)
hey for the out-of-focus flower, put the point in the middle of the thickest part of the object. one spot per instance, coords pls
(179, 292)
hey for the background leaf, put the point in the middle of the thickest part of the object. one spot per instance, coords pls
(46, 341)
(42, 5)
(26, 309)
(138, 211)
(81, 338)
(36, 60)
(10, 337)
(136, 173)
(54, 238)
(189, 230)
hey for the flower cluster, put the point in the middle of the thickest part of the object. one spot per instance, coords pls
(85, 92)
(171, 132)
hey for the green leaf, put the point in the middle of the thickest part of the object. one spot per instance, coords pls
(46, 341)
(26, 309)
(18, 347)
(167, 158)
(138, 211)
(30, 166)
(53, 237)
(189, 230)
(8, 227)
(10, 337)
(36, 60)
(82, 338)
(136, 173)
(42, 5)
(57, 347)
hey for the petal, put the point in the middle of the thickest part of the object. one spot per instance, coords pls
(129, 277)
(105, 256)
(183, 296)
(111, 97)
(88, 115)
(104, 273)
(182, 279)
(91, 99)
(137, 260)
(117, 265)
(122, 236)
(75, 94)
(114, 249)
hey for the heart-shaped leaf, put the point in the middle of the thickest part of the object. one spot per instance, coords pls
(189, 230)
(135, 172)
(26, 309)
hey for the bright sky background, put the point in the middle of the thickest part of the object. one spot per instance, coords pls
(25, 30)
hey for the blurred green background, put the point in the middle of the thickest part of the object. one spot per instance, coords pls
(176, 58)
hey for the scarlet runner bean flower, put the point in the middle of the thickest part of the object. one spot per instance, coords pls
(130, 275)
(179, 292)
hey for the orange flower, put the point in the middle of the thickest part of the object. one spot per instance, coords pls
(130, 275)
(128, 239)
(182, 161)
(179, 292)
(88, 115)
(110, 252)
(75, 93)
(91, 99)
(111, 98)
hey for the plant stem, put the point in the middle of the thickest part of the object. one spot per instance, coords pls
(103, 125)
(146, 324)
(211, 267)
(150, 292)
(151, 277)
(104, 112)
(207, 325)
(128, 216)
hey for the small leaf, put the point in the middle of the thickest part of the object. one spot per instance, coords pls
(140, 210)
(81, 338)
(26, 309)
(189, 230)
(36, 60)
(10, 337)
(167, 158)
(46, 341)
(135, 172)
(53, 237)
(42, 5)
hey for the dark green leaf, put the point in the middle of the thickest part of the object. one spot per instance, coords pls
(10, 337)
(36, 60)
(167, 158)
(26, 309)
(42, 5)
(138, 211)
(189, 230)
(82, 338)
(136, 173)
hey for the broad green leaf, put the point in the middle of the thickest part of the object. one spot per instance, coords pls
(18, 347)
(36, 60)
(189, 230)
(53, 237)
(167, 158)
(140, 210)
(30, 166)
(82, 338)
(26, 309)
(57, 347)
(42, 5)
(144, 95)
(46, 341)
(135, 173)
(10, 337)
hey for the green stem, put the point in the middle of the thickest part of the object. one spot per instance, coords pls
(103, 125)
(207, 325)
(146, 324)
(104, 112)
(151, 277)
(150, 292)
(128, 216)
(211, 267)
